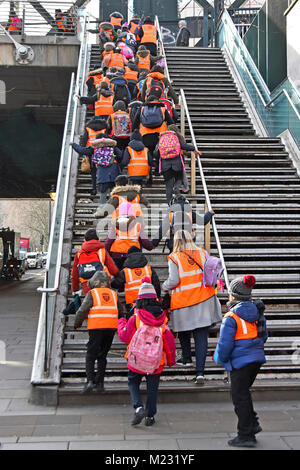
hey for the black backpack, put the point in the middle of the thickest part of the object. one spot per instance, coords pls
(151, 117)
(121, 93)
(156, 88)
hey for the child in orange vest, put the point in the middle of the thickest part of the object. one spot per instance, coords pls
(149, 312)
(138, 159)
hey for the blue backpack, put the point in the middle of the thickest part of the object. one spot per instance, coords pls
(151, 117)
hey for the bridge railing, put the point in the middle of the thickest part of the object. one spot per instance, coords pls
(40, 18)
(41, 372)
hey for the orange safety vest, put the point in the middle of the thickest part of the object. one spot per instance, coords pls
(135, 206)
(244, 330)
(149, 34)
(138, 324)
(190, 290)
(104, 312)
(104, 106)
(131, 74)
(115, 21)
(116, 60)
(163, 128)
(133, 27)
(133, 281)
(15, 23)
(92, 135)
(101, 253)
(60, 24)
(144, 62)
(97, 79)
(126, 239)
(138, 164)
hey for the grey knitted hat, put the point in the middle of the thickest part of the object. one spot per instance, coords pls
(241, 287)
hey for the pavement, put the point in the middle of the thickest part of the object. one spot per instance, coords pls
(179, 427)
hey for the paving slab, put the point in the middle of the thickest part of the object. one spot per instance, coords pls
(36, 446)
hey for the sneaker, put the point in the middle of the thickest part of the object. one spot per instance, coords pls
(184, 362)
(183, 189)
(100, 387)
(138, 416)
(238, 442)
(199, 380)
(88, 388)
(257, 428)
(149, 420)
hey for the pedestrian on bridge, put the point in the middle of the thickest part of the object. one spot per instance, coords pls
(147, 35)
(241, 350)
(194, 307)
(101, 308)
(183, 36)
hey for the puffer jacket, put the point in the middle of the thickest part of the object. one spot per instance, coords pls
(153, 316)
(129, 192)
(87, 304)
(238, 353)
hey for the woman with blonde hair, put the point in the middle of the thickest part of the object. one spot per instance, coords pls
(194, 307)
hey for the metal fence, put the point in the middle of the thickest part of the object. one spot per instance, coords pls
(33, 18)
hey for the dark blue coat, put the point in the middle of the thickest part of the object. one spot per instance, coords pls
(238, 353)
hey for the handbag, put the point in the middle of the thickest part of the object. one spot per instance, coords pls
(85, 165)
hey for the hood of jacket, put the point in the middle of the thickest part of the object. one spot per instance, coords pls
(135, 260)
(92, 245)
(109, 46)
(246, 310)
(98, 280)
(122, 190)
(136, 145)
(157, 75)
(143, 54)
(153, 316)
(96, 124)
(104, 142)
(105, 92)
(116, 14)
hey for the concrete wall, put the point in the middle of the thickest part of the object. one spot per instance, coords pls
(293, 44)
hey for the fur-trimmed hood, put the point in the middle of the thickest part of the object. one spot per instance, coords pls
(109, 46)
(143, 54)
(126, 188)
(104, 142)
(95, 72)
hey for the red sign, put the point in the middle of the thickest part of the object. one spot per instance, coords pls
(24, 242)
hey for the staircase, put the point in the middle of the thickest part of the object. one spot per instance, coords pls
(255, 192)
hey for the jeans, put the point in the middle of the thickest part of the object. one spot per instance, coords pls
(98, 346)
(241, 381)
(200, 338)
(134, 382)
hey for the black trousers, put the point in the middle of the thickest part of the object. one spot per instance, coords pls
(98, 346)
(241, 381)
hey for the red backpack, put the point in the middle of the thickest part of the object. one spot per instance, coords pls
(156, 88)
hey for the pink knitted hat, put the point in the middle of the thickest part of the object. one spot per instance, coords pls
(147, 290)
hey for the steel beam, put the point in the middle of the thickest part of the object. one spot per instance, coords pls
(236, 4)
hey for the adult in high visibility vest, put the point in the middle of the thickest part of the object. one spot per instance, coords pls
(149, 312)
(14, 25)
(100, 308)
(194, 307)
(91, 252)
(129, 279)
(241, 350)
(137, 159)
(126, 231)
(147, 35)
(181, 216)
(116, 19)
(134, 23)
(123, 192)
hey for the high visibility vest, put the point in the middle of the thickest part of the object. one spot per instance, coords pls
(116, 60)
(138, 324)
(104, 106)
(104, 312)
(60, 23)
(144, 62)
(244, 330)
(135, 205)
(96, 256)
(133, 281)
(149, 34)
(131, 74)
(97, 79)
(15, 23)
(92, 135)
(133, 27)
(126, 239)
(138, 164)
(116, 21)
(190, 290)
(146, 130)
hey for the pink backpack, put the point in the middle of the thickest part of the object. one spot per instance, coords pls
(169, 145)
(146, 349)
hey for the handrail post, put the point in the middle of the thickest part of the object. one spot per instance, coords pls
(206, 232)
(182, 118)
(193, 174)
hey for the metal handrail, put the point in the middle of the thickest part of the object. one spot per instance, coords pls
(162, 48)
(207, 198)
(283, 91)
(44, 334)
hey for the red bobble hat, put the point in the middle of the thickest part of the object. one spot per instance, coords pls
(241, 287)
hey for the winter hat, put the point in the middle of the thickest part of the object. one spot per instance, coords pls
(147, 290)
(241, 287)
(121, 180)
(135, 135)
(119, 106)
(183, 23)
(91, 234)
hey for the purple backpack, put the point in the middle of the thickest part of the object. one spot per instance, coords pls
(103, 156)
(212, 271)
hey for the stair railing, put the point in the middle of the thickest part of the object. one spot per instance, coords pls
(161, 47)
(185, 112)
(41, 368)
